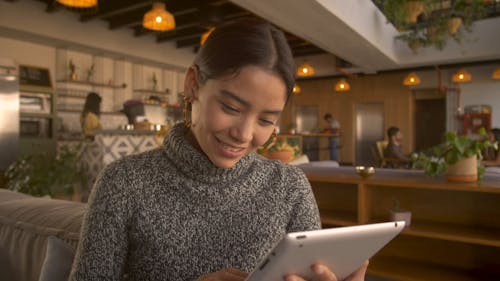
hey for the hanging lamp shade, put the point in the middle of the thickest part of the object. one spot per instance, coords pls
(461, 76)
(296, 89)
(205, 35)
(305, 70)
(411, 80)
(496, 73)
(158, 19)
(78, 3)
(342, 86)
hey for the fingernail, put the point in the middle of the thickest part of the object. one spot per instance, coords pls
(318, 269)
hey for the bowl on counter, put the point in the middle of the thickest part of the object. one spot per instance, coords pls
(365, 172)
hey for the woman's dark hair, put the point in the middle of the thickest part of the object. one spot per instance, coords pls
(92, 104)
(246, 42)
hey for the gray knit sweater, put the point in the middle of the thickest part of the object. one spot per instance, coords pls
(170, 214)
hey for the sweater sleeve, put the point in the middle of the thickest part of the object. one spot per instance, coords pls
(103, 245)
(305, 213)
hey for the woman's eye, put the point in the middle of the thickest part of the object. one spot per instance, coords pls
(229, 109)
(266, 122)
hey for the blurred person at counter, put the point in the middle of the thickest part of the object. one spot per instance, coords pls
(491, 157)
(89, 119)
(187, 210)
(394, 150)
(332, 127)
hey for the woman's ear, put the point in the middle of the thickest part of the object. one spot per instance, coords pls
(191, 82)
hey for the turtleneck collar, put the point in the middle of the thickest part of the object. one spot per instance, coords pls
(195, 164)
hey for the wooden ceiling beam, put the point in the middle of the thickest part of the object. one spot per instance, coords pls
(188, 42)
(108, 11)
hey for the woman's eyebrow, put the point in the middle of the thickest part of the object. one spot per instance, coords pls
(233, 96)
(245, 103)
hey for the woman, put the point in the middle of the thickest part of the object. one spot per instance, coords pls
(205, 206)
(90, 115)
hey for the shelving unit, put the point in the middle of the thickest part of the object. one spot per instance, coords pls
(455, 228)
(472, 122)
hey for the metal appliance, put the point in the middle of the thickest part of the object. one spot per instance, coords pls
(9, 113)
(369, 118)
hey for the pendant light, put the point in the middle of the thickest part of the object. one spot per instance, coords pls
(342, 86)
(461, 76)
(305, 70)
(411, 80)
(205, 35)
(296, 89)
(78, 3)
(496, 73)
(158, 19)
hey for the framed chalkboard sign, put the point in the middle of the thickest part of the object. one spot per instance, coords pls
(34, 76)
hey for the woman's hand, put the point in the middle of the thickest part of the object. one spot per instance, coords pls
(323, 273)
(227, 274)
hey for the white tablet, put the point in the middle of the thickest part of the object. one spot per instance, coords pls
(343, 249)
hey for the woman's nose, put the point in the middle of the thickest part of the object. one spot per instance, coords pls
(242, 132)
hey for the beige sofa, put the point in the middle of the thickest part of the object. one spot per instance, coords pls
(25, 224)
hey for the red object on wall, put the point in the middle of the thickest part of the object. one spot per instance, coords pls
(472, 122)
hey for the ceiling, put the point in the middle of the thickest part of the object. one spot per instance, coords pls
(336, 36)
(193, 18)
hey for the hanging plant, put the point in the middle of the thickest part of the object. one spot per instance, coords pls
(428, 23)
(403, 13)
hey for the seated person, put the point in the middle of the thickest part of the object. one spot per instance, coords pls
(491, 157)
(393, 153)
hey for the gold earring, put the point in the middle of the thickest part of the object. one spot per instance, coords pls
(186, 111)
(272, 139)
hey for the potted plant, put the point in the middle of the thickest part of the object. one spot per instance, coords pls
(281, 150)
(72, 71)
(40, 175)
(398, 214)
(403, 13)
(459, 157)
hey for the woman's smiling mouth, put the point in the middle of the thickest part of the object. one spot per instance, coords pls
(230, 150)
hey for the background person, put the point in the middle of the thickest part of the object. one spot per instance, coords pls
(491, 156)
(333, 127)
(205, 206)
(89, 119)
(393, 153)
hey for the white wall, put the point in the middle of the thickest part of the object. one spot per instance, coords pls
(481, 90)
(484, 93)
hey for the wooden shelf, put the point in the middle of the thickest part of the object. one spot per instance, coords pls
(103, 85)
(151, 91)
(80, 111)
(36, 89)
(453, 232)
(410, 270)
(337, 218)
(36, 115)
(396, 178)
(74, 96)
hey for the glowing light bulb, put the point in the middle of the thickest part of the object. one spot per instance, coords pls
(158, 19)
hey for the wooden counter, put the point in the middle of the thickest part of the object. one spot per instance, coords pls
(455, 228)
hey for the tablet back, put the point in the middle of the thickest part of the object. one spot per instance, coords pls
(343, 249)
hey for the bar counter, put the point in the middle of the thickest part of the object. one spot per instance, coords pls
(111, 145)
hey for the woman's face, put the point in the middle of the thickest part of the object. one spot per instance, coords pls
(234, 115)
